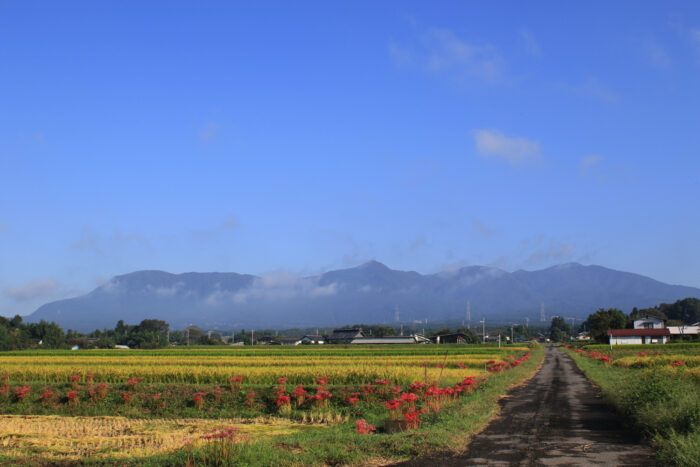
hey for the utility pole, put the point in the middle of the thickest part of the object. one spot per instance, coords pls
(499, 340)
(252, 331)
(511, 334)
(483, 329)
(188, 334)
(543, 316)
(469, 315)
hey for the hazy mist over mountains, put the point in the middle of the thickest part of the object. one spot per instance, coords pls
(369, 293)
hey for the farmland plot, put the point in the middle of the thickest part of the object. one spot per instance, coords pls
(62, 405)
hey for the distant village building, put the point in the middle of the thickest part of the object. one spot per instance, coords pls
(312, 340)
(414, 339)
(684, 330)
(290, 340)
(345, 336)
(452, 338)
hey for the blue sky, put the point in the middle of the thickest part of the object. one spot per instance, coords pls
(303, 137)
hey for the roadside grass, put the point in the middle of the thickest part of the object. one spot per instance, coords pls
(664, 406)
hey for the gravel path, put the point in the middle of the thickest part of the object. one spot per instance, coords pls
(557, 418)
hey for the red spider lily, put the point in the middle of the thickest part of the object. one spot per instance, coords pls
(101, 390)
(282, 380)
(22, 392)
(322, 380)
(282, 400)
(89, 377)
(46, 395)
(74, 380)
(133, 382)
(677, 363)
(250, 399)
(126, 397)
(364, 428)
(299, 394)
(642, 354)
(412, 420)
(73, 398)
(382, 382)
(226, 433)
(417, 386)
(235, 383)
(199, 400)
(353, 401)
(490, 362)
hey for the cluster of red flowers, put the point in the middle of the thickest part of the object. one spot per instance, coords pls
(677, 363)
(73, 398)
(226, 433)
(199, 400)
(364, 428)
(22, 391)
(133, 382)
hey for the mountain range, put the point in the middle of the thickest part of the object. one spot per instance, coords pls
(370, 293)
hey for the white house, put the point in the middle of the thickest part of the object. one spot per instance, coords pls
(684, 330)
(639, 336)
(649, 322)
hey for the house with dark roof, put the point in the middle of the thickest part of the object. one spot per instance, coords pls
(308, 339)
(414, 339)
(345, 335)
(639, 336)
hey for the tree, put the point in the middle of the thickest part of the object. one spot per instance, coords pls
(602, 320)
(558, 330)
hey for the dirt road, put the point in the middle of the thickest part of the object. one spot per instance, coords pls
(557, 418)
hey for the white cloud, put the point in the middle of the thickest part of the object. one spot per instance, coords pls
(482, 228)
(35, 289)
(594, 88)
(514, 150)
(530, 43)
(281, 285)
(587, 162)
(553, 253)
(229, 223)
(208, 132)
(441, 51)
(656, 54)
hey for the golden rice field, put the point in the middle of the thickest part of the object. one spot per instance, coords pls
(341, 368)
(74, 438)
(62, 406)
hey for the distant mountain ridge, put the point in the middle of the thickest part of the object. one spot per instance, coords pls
(370, 293)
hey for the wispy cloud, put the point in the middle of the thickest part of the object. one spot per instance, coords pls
(587, 162)
(230, 223)
(517, 151)
(208, 132)
(529, 43)
(656, 54)
(280, 285)
(441, 51)
(90, 239)
(556, 253)
(482, 228)
(38, 288)
(593, 87)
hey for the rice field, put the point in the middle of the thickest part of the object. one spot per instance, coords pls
(66, 405)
